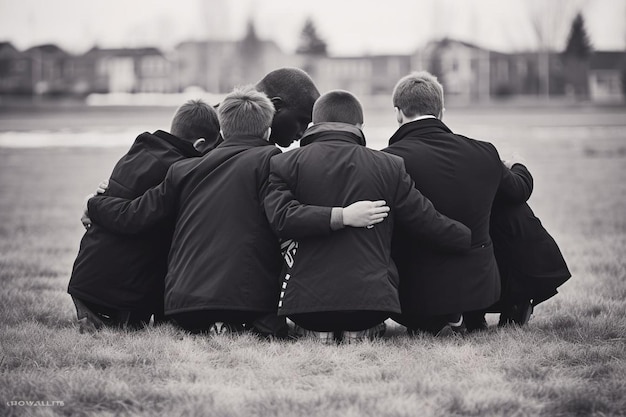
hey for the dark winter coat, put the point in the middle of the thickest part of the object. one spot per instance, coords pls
(351, 268)
(122, 272)
(461, 177)
(529, 260)
(224, 255)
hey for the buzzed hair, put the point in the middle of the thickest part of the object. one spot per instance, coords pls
(338, 106)
(294, 86)
(245, 111)
(194, 120)
(419, 93)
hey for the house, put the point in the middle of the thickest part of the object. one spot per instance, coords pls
(51, 69)
(470, 73)
(125, 70)
(15, 71)
(362, 76)
(464, 69)
(217, 66)
(607, 74)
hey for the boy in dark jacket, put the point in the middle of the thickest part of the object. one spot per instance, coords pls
(529, 260)
(224, 258)
(461, 176)
(116, 280)
(344, 284)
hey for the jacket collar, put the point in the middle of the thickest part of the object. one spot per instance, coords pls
(248, 141)
(422, 127)
(185, 147)
(333, 131)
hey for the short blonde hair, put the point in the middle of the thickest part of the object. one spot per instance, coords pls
(245, 111)
(419, 93)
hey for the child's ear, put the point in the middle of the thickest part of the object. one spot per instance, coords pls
(268, 134)
(399, 115)
(198, 143)
(278, 103)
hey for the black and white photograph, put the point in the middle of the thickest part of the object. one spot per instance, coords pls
(327, 208)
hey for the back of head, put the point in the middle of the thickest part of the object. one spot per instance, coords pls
(338, 106)
(293, 93)
(418, 94)
(194, 120)
(245, 111)
(294, 86)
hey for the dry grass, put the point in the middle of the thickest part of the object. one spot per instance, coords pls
(570, 360)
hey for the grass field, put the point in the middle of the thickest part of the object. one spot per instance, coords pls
(569, 361)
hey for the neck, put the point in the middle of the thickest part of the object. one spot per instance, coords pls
(416, 118)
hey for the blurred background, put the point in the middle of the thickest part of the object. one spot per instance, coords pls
(72, 64)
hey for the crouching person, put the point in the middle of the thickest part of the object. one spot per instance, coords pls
(117, 280)
(224, 259)
(341, 283)
(530, 262)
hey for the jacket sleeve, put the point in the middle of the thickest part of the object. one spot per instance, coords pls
(416, 212)
(289, 218)
(516, 184)
(124, 216)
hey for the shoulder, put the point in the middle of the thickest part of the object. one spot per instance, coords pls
(184, 165)
(482, 147)
(290, 155)
(390, 157)
(387, 161)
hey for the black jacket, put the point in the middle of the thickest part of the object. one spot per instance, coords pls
(122, 272)
(350, 269)
(461, 177)
(529, 260)
(224, 255)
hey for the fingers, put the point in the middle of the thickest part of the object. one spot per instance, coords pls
(379, 210)
(378, 216)
(365, 213)
(376, 221)
(102, 187)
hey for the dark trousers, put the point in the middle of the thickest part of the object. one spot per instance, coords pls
(331, 321)
(260, 322)
(474, 320)
(102, 316)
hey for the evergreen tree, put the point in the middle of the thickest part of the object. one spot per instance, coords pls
(578, 43)
(250, 42)
(310, 42)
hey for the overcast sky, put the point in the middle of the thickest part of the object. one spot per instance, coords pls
(350, 27)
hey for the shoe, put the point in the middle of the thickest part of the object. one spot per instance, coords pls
(476, 324)
(518, 314)
(327, 338)
(282, 334)
(225, 328)
(526, 310)
(453, 329)
(367, 334)
(88, 321)
(521, 313)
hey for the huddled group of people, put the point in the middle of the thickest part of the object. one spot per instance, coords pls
(213, 228)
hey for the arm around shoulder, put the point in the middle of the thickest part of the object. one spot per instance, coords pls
(288, 217)
(516, 184)
(124, 216)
